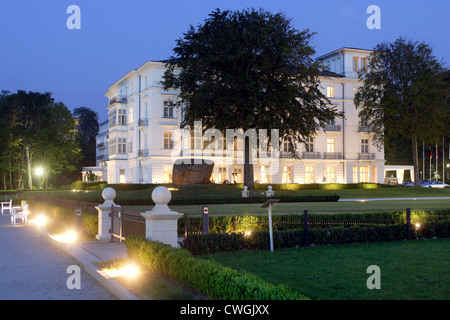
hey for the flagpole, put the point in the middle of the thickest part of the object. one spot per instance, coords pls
(437, 156)
(431, 156)
(423, 160)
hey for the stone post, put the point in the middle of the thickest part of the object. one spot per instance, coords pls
(104, 210)
(270, 192)
(160, 222)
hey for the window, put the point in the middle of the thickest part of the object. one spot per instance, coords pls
(167, 174)
(364, 145)
(309, 174)
(363, 174)
(264, 174)
(330, 145)
(355, 64)
(287, 147)
(330, 92)
(309, 144)
(222, 174)
(122, 145)
(168, 142)
(364, 64)
(112, 118)
(122, 117)
(237, 175)
(330, 175)
(122, 178)
(168, 110)
(113, 146)
(287, 174)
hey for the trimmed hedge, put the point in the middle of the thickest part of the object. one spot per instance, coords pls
(213, 243)
(204, 276)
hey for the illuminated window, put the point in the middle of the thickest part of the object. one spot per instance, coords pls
(355, 174)
(122, 178)
(330, 145)
(264, 174)
(167, 174)
(168, 141)
(287, 174)
(355, 64)
(309, 174)
(237, 175)
(222, 175)
(330, 175)
(330, 92)
(363, 174)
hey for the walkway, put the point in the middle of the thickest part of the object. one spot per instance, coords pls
(32, 267)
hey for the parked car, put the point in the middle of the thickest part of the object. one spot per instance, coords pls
(407, 183)
(437, 184)
(425, 183)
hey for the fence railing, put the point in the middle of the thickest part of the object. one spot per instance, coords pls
(305, 223)
(125, 224)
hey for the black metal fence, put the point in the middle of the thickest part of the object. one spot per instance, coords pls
(242, 228)
(125, 224)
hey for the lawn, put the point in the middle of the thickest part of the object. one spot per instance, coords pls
(417, 269)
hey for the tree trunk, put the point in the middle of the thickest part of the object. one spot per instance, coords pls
(416, 161)
(30, 178)
(249, 180)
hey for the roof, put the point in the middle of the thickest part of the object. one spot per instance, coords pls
(343, 49)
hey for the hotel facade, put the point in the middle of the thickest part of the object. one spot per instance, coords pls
(136, 144)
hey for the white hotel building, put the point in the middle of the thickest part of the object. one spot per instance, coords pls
(141, 128)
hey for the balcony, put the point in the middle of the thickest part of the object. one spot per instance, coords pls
(101, 157)
(333, 155)
(364, 129)
(332, 127)
(366, 156)
(143, 153)
(143, 122)
(311, 155)
(118, 99)
(101, 145)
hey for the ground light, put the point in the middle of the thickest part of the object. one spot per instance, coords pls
(129, 271)
(69, 237)
(40, 221)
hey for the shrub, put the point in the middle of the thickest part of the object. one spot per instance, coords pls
(206, 277)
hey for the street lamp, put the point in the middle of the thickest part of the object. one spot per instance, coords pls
(39, 171)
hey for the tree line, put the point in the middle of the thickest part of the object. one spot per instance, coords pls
(42, 142)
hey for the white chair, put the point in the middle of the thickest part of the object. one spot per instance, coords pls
(19, 213)
(7, 206)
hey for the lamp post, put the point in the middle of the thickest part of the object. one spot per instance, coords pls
(39, 172)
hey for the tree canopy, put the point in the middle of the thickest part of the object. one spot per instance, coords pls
(249, 69)
(404, 94)
(36, 132)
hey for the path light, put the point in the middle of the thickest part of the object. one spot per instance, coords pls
(129, 271)
(40, 221)
(69, 237)
(247, 233)
(417, 225)
(39, 171)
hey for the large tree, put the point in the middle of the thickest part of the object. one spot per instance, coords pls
(249, 69)
(87, 125)
(404, 94)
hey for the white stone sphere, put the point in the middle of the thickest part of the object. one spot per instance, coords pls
(161, 195)
(270, 188)
(108, 194)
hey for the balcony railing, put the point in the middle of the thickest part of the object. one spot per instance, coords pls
(143, 153)
(118, 99)
(332, 127)
(366, 156)
(333, 155)
(311, 155)
(364, 129)
(101, 145)
(143, 122)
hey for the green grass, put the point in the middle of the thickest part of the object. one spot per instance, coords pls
(417, 269)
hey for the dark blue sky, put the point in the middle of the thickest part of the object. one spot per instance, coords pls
(39, 53)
